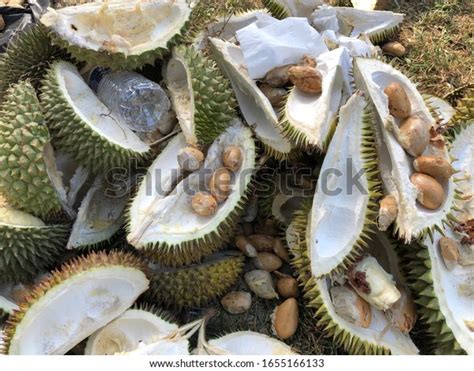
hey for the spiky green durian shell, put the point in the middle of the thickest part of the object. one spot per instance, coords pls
(417, 266)
(195, 285)
(27, 251)
(464, 109)
(277, 9)
(73, 268)
(214, 101)
(24, 180)
(301, 262)
(27, 57)
(71, 134)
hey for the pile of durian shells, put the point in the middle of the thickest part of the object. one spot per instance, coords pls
(268, 254)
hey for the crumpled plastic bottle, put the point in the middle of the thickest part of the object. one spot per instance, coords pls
(139, 102)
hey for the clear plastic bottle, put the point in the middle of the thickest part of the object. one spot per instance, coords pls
(139, 102)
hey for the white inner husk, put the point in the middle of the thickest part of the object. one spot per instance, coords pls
(170, 218)
(19, 219)
(255, 106)
(249, 343)
(396, 165)
(74, 309)
(313, 115)
(131, 27)
(456, 308)
(337, 219)
(125, 333)
(93, 112)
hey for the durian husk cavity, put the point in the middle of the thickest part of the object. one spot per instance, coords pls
(120, 34)
(404, 128)
(161, 216)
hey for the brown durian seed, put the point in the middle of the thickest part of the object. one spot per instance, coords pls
(267, 227)
(278, 77)
(469, 325)
(307, 79)
(398, 103)
(414, 136)
(261, 242)
(237, 302)
(430, 192)
(388, 212)
(276, 96)
(261, 284)
(449, 251)
(287, 287)
(436, 167)
(402, 314)
(204, 204)
(307, 61)
(245, 246)
(190, 158)
(394, 48)
(280, 250)
(220, 184)
(285, 319)
(267, 261)
(232, 158)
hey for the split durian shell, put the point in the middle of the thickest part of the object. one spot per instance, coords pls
(353, 207)
(378, 25)
(378, 338)
(395, 165)
(27, 57)
(442, 306)
(161, 218)
(120, 34)
(29, 179)
(81, 125)
(254, 105)
(309, 119)
(74, 302)
(195, 285)
(27, 245)
(99, 217)
(202, 98)
(141, 324)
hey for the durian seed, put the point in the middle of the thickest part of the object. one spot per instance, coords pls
(373, 283)
(351, 306)
(437, 167)
(398, 102)
(220, 184)
(287, 287)
(267, 261)
(261, 283)
(204, 204)
(388, 212)
(402, 314)
(276, 96)
(307, 79)
(285, 319)
(307, 61)
(2, 23)
(469, 325)
(245, 246)
(190, 158)
(247, 228)
(278, 77)
(414, 135)
(394, 48)
(261, 242)
(280, 250)
(430, 192)
(449, 251)
(237, 302)
(232, 158)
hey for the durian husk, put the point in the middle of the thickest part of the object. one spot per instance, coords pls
(195, 285)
